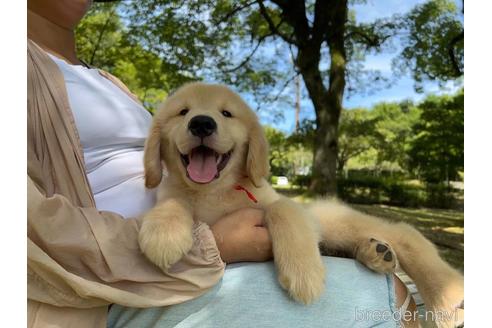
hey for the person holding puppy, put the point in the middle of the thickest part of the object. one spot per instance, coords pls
(86, 133)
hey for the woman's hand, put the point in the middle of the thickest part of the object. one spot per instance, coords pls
(241, 236)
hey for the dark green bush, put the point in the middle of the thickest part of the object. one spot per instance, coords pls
(367, 188)
(390, 191)
(440, 196)
(401, 194)
(362, 190)
(302, 181)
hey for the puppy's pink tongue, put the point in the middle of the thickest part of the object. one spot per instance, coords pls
(203, 166)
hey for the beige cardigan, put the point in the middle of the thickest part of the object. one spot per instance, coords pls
(79, 259)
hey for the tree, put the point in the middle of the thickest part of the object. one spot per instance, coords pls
(211, 33)
(437, 152)
(288, 156)
(278, 149)
(104, 42)
(99, 37)
(250, 43)
(434, 42)
(304, 134)
(356, 135)
(393, 130)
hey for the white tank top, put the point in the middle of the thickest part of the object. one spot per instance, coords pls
(112, 129)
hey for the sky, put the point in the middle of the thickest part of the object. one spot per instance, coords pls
(402, 89)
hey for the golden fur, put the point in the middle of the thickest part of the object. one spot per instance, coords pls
(166, 235)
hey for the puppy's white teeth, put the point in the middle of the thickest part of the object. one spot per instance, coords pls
(218, 159)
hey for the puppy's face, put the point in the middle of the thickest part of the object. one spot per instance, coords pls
(208, 136)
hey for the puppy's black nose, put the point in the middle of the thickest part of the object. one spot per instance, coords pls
(202, 126)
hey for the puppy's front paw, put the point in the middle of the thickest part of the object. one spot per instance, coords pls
(304, 282)
(377, 256)
(161, 245)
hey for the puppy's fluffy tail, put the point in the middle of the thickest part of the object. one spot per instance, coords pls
(441, 286)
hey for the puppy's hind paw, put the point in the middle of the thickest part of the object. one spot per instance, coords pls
(377, 256)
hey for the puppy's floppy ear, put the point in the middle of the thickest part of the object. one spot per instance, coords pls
(152, 157)
(257, 160)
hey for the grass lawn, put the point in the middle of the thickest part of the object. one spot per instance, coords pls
(443, 227)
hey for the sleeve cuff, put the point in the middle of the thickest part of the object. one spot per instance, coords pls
(205, 242)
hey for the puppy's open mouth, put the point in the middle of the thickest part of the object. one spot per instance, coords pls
(203, 164)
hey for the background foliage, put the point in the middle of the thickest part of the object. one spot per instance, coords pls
(402, 153)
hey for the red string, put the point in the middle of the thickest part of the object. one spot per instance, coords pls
(250, 195)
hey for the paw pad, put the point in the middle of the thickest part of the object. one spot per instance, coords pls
(377, 255)
(380, 248)
(388, 257)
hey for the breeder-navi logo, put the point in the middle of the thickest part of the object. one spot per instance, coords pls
(387, 315)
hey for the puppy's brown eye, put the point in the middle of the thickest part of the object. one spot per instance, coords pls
(183, 112)
(226, 113)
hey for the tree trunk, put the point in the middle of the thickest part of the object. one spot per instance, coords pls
(341, 161)
(323, 180)
(328, 26)
(327, 102)
(298, 101)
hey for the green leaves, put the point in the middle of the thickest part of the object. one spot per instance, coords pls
(424, 140)
(355, 135)
(288, 157)
(437, 151)
(105, 42)
(257, 47)
(393, 131)
(99, 36)
(434, 42)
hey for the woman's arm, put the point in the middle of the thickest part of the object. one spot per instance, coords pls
(81, 257)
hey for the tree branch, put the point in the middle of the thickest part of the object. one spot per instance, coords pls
(321, 22)
(374, 42)
(373, 35)
(294, 66)
(246, 60)
(357, 153)
(283, 87)
(294, 12)
(454, 62)
(99, 39)
(274, 28)
(234, 11)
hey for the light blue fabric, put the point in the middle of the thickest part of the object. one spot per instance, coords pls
(250, 296)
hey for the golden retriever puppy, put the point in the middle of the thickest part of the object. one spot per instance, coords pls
(216, 161)
(216, 156)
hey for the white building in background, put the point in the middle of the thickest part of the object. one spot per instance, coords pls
(282, 181)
